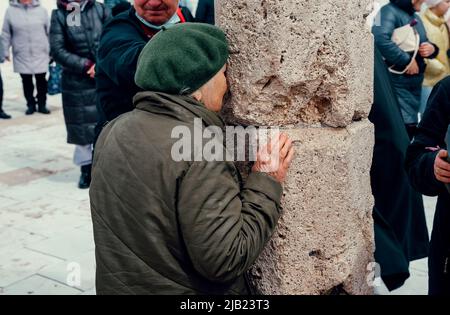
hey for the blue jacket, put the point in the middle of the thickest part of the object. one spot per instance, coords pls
(391, 16)
(408, 88)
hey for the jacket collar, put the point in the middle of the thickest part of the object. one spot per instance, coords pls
(62, 4)
(433, 18)
(405, 5)
(180, 107)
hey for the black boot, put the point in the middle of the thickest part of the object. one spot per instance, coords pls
(31, 109)
(43, 109)
(3, 115)
(85, 178)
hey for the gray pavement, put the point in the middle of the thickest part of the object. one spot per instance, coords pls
(46, 243)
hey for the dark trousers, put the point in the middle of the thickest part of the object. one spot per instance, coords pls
(28, 89)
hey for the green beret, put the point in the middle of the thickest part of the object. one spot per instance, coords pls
(182, 58)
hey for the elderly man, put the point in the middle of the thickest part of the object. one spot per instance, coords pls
(186, 227)
(120, 45)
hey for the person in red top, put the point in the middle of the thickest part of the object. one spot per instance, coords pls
(122, 41)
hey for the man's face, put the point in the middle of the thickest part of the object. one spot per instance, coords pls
(214, 91)
(156, 12)
(26, 1)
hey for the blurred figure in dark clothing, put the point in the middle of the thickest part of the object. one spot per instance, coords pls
(120, 7)
(401, 233)
(75, 49)
(202, 10)
(121, 43)
(429, 172)
(205, 11)
(110, 4)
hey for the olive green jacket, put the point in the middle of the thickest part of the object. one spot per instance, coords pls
(166, 227)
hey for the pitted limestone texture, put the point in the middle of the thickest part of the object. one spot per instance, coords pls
(298, 61)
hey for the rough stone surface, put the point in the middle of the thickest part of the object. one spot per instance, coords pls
(325, 237)
(298, 61)
(307, 66)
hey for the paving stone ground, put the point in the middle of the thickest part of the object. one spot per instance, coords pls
(46, 243)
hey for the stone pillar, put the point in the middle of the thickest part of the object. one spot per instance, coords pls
(307, 67)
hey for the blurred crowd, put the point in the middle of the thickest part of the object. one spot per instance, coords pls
(411, 117)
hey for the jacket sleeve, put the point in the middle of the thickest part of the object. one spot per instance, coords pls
(58, 49)
(423, 150)
(436, 51)
(118, 54)
(6, 35)
(382, 30)
(225, 228)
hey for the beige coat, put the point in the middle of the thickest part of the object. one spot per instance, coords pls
(438, 33)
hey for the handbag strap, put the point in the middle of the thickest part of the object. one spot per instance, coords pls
(412, 59)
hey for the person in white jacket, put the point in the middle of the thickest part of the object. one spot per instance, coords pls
(26, 30)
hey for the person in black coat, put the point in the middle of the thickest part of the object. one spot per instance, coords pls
(74, 47)
(121, 43)
(401, 233)
(205, 11)
(428, 172)
(407, 86)
(120, 7)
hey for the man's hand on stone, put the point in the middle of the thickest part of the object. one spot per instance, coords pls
(442, 167)
(275, 157)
